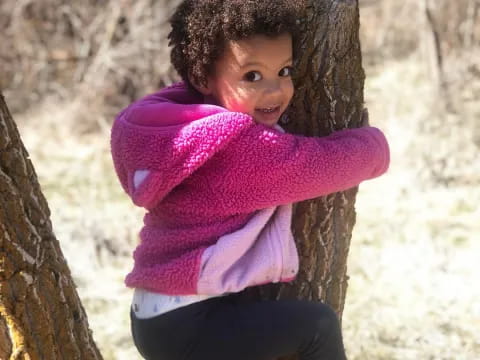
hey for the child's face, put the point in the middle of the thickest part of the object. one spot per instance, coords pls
(254, 77)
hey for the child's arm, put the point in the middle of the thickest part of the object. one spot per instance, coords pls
(243, 166)
(264, 167)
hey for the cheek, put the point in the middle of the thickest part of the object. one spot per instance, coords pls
(289, 90)
(238, 101)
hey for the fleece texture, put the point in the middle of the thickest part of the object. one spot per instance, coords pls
(213, 180)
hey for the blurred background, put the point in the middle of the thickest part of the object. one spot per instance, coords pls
(67, 67)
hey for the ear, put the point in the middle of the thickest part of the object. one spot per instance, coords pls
(204, 90)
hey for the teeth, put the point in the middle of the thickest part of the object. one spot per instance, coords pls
(268, 110)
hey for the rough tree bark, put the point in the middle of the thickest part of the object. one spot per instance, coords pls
(41, 317)
(329, 96)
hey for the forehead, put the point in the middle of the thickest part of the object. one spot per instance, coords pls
(258, 49)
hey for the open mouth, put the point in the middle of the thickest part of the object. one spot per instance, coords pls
(269, 110)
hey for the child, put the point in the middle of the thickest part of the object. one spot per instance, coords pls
(217, 175)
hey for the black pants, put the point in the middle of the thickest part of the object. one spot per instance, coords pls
(223, 328)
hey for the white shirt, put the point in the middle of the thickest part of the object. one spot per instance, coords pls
(147, 304)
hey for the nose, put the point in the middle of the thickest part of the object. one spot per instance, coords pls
(273, 90)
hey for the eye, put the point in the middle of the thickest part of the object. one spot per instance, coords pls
(253, 76)
(286, 71)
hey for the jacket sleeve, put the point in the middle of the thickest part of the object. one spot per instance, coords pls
(152, 160)
(265, 167)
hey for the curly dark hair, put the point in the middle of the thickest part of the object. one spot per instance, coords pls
(201, 28)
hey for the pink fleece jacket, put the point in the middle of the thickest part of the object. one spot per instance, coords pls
(218, 190)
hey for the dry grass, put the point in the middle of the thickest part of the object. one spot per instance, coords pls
(413, 291)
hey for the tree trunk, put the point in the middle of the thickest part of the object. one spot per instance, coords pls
(329, 96)
(41, 316)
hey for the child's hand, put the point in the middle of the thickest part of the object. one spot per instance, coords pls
(365, 118)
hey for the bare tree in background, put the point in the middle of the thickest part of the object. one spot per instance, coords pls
(41, 314)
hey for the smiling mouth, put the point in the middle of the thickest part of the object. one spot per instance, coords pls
(269, 110)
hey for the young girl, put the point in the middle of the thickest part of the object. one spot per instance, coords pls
(217, 175)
